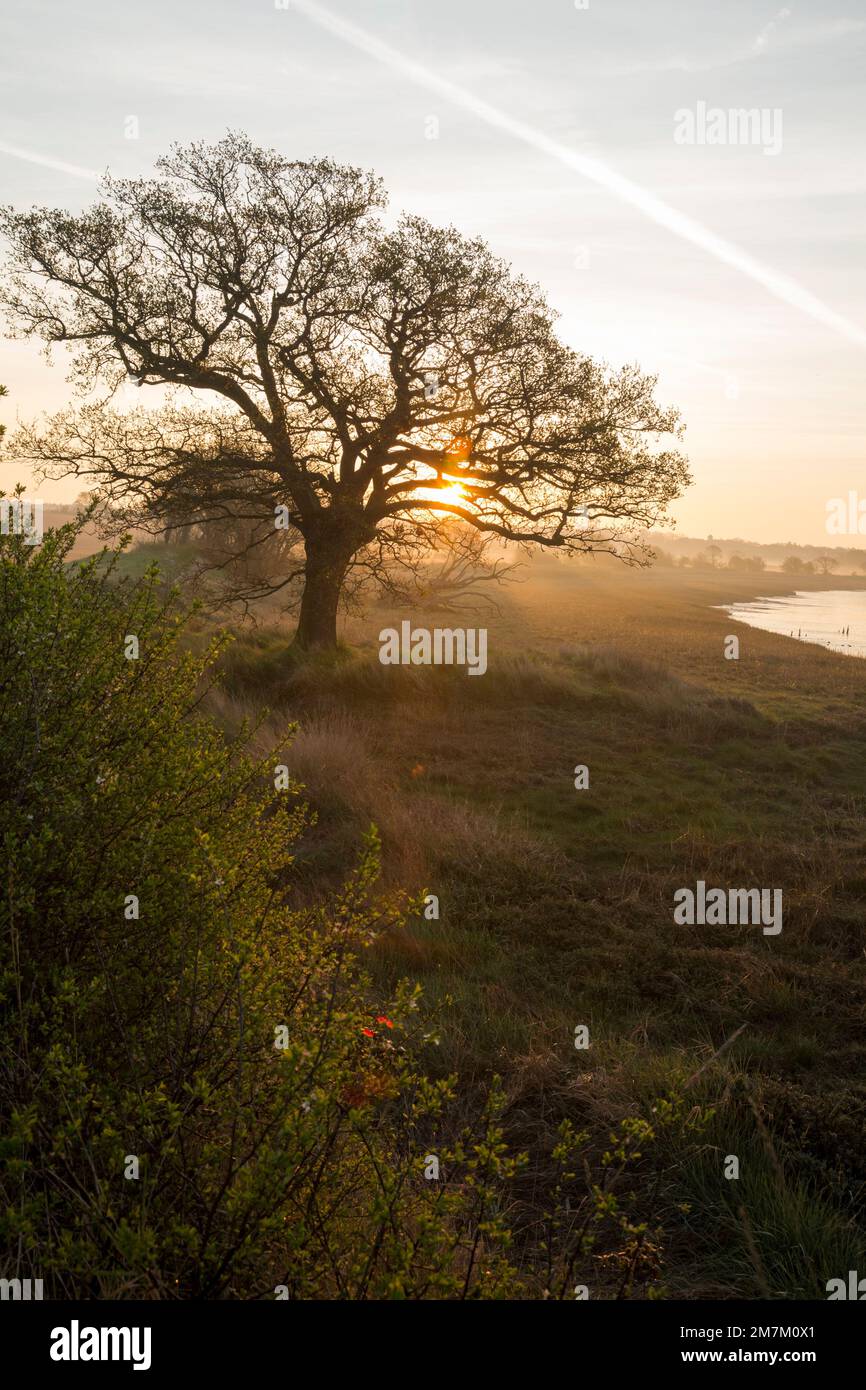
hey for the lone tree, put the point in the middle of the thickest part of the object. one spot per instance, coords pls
(358, 382)
(825, 563)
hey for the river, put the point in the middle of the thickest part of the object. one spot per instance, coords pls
(834, 618)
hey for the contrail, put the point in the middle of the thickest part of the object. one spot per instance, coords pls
(658, 211)
(60, 165)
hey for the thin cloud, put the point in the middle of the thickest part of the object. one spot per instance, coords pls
(47, 162)
(792, 36)
(769, 29)
(655, 209)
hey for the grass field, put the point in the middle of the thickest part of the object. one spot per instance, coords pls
(556, 905)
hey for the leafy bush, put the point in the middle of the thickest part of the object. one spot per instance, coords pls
(168, 1012)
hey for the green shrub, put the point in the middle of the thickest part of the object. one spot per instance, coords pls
(151, 951)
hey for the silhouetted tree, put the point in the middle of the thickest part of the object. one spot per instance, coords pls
(373, 379)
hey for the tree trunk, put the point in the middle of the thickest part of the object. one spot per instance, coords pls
(330, 541)
(317, 623)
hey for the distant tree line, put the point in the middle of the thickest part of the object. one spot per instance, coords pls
(712, 557)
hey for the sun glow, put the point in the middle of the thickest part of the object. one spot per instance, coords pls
(449, 492)
(453, 493)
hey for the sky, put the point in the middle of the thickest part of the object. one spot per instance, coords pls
(589, 144)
